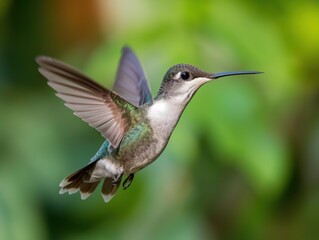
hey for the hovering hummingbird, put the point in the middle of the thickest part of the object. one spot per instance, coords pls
(136, 126)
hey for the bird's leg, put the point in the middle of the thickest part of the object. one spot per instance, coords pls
(127, 182)
(117, 179)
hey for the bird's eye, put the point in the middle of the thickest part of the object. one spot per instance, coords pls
(185, 75)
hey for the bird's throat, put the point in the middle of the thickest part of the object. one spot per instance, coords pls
(164, 115)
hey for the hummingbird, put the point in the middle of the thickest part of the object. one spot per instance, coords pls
(136, 126)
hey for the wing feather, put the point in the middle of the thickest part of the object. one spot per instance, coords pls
(131, 82)
(99, 107)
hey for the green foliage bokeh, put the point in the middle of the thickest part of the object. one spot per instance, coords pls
(243, 162)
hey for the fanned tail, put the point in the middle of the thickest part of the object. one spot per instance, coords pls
(80, 181)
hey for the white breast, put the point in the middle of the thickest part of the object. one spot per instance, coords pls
(163, 116)
(159, 110)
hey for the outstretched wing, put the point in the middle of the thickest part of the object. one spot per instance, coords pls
(131, 82)
(99, 107)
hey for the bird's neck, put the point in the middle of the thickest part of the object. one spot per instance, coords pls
(164, 114)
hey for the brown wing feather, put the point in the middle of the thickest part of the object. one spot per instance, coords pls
(99, 107)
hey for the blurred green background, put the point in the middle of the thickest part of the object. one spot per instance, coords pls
(243, 162)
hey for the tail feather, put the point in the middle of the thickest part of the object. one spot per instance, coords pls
(87, 188)
(80, 181)
(76, 182)
(109, 188)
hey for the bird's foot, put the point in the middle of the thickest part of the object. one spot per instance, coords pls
(127, 182)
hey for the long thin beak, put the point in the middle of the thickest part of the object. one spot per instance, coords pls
(225, 74)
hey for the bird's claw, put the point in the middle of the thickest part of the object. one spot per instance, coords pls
(127, 182)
